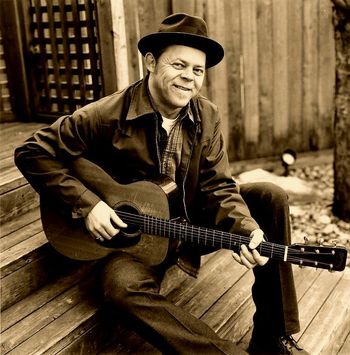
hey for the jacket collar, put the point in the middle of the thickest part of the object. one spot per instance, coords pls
(141, 103)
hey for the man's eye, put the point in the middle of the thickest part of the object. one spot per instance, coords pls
(198, 71)
(178, 66)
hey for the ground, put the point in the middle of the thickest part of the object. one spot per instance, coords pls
(313, 217)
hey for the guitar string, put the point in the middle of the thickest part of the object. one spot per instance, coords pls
(170, 226)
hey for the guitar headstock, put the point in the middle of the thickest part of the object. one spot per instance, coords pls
(318, 256)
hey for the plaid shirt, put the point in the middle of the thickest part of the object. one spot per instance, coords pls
(171, 146)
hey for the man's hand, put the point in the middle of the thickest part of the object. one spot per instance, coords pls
(99, 222)
(251, 259)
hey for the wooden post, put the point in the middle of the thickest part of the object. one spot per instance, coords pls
(120, 46)
(10, 25)
(106, 40)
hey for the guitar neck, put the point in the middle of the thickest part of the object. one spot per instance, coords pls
(201, 235)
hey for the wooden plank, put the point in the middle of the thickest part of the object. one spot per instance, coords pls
(42, 317)
(21, 254)
(295, 89)
(105, 35)
(345, 349)
(17, 202)
(331, 324)
(233, 56)
(132, 36)
(11, 30)
(17, 223)
(60, 329)
(266, 70)
(230, 303)
(314, 298)
(310, 70)
(250, 74)
(29, 229)
(280, 70)
(217, 76)
(11, 179)
(120, 47)
(326, 76)
(39, 298)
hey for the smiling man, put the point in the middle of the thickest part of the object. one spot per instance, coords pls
(161, 125)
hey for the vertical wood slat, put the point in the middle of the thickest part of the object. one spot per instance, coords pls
(105, 34)
(266, 76)
(280, 70)
(91, 38)
(66, 59)
(218, 74)
(79, 50)
(295, 51)
(55, 61)
(326, 76)
(233, 62)
(250, 68)
(42, 50)
(310, 69)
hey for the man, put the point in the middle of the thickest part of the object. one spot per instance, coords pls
(162, 125)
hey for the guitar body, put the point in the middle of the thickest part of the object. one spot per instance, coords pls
(70, 237)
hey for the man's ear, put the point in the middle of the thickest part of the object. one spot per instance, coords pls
(150, 62)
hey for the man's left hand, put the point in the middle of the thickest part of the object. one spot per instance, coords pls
(251, 258)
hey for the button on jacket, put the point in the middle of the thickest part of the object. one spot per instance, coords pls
(119, 133)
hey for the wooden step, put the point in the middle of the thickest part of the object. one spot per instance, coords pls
(16, 195)
(27, 261)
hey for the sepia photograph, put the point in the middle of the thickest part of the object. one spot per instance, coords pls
(175, 177)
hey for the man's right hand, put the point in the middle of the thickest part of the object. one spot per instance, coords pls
(99, 222)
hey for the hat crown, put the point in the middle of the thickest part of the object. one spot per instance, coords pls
(185, 23)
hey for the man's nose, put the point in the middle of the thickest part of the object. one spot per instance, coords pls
(187, 73)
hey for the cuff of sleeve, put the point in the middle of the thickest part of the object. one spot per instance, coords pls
(86, 202)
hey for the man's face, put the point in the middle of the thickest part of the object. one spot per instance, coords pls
(176, 77)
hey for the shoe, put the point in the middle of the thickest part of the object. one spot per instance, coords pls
(284, 345)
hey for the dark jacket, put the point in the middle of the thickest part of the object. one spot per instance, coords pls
(118, 132)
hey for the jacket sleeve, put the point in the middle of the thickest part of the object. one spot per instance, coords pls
(224, 205)
(44, 159)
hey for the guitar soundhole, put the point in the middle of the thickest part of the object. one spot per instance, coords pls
(132, 230)
(127, 236)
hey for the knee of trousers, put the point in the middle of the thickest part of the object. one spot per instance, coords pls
(124, 288)
(273, 195)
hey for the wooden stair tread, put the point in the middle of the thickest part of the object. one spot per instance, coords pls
(20, 229)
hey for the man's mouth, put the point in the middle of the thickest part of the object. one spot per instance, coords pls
(182, 88)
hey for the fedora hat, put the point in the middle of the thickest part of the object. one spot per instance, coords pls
(186, 30)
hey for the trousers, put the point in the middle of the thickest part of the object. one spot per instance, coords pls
(132, 288)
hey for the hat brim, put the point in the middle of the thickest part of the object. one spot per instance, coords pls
(155, 41)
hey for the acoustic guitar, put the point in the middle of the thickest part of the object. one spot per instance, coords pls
(146, 207)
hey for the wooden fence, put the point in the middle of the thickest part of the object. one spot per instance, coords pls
(275, 87)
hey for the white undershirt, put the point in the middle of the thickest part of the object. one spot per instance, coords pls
(169, 123)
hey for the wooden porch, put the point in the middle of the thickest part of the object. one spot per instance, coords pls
(49, 304)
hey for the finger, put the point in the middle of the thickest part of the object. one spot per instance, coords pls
(261, 260)
(117, 221)
(247, 254)
(237, 258)
(111, 231)
(246, 262)
(96, 235)
(103, 233)
(258, 237)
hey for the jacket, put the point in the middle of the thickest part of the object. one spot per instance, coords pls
(119, 133)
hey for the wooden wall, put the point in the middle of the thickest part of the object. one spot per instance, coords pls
(275, 87)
